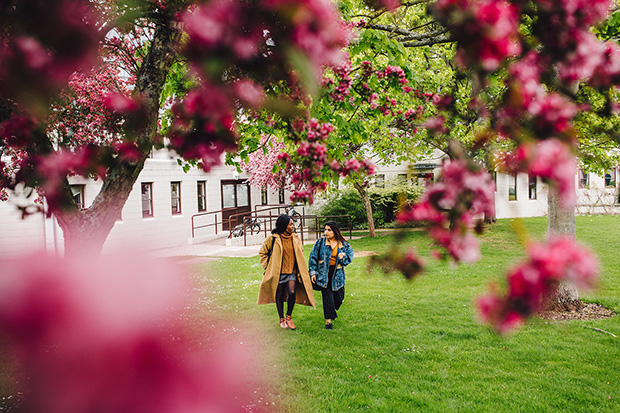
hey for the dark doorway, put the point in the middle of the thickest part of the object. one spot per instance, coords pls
(235, 200)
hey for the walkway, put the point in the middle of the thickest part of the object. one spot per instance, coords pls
(217, 248)
(213, 248)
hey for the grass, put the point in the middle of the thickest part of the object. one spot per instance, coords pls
(406, 346)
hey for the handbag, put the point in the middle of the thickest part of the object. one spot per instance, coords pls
(315, 286)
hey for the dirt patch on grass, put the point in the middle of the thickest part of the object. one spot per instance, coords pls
(590, 311)
(365, 253)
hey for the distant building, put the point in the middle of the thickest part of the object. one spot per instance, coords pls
(516, 196)
(157, 214)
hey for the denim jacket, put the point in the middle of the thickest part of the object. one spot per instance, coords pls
(318, 263)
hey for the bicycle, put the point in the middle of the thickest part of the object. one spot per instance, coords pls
(297, 217)
(254, 224)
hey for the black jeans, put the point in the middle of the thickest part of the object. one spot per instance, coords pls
(332, 300)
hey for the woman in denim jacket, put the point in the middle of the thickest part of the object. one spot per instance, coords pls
(328, 258)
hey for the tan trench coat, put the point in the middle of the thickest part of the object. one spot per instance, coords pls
(267, 293)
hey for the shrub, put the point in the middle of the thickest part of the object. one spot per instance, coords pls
(385, 204)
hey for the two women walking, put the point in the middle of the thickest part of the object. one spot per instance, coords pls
(288, 278)
(286, 273)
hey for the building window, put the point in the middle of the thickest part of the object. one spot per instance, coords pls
(147, 199)
(584, 179)
(201, 190)
(380, 181)
(78, 195)
(532, 186)
(281, 196)
(610, 178)
(423, 179)
(263, 195)
(512, 187)
(175, 197)
(401, 178)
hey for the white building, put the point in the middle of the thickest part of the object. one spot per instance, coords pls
(521, 195)
(161, 211)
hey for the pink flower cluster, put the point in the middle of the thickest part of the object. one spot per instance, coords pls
(252, 40)
(549, 114)
(561, 259)
(261, 164)
(304, 170)
(203, 126)
(342, 90)
(107, 334)
(435, 125)
(487, 30)
(561, 21)
(408, 263)
(550, 159)
(36, 58)
(394, 72)
(49, 171)
(451, 205)
(364, 166)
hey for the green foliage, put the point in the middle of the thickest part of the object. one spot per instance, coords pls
(611, 28)
(597, 130)
(385, 204)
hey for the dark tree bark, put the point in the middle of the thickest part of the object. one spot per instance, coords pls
(366, 198)
(86, 231)
(561, 221)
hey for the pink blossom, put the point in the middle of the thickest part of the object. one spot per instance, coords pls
(373, 100)
(582, 62)
(486, 30)
(35, 56)
(492, 310)
(335, 165)
(250, 92)
(17, 131)
(105, 334)
(529, 283)
(450, 205)
(120, 103)
(36, 62)
(608, 71)
(435, 125)
(552, 114)
(555, 162)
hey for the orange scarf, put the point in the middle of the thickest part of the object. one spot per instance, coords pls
(288, 253)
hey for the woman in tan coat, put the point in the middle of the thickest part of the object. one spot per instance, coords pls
(286, 275)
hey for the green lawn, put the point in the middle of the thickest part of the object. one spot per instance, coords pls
(406, 346)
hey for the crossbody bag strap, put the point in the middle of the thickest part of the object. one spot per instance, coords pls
(273, 241)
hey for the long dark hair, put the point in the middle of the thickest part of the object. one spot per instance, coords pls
(336, 229)
(281, 224)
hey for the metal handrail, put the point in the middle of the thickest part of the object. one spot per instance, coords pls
(200, 214)
(350, 227)
(266, 218)
(269, 218)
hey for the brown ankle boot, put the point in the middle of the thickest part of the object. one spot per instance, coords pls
(283, 323)
(289, 322)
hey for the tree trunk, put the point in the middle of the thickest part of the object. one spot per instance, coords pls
(86, 231)
(364, 194)
(561, 221)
